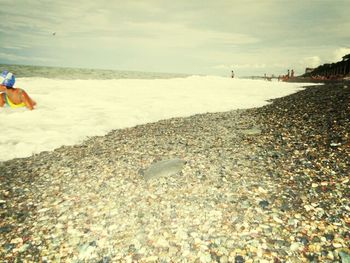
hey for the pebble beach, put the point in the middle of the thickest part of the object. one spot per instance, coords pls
(269, 184)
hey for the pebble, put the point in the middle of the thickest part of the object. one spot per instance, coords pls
(223, 259)
(5, 229)
(23, 248)
(263, 204)
(164, 168)
(253, 131)
(16, 240)
(239, 259)
(161, 242)
(204, 257)
(329, 236)
(213, 193)
(337, 245)
(294, 246)
(344, 255)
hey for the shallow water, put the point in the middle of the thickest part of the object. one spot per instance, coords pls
(71, 110)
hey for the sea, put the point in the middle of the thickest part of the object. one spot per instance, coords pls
(74, 104)
(25, 71)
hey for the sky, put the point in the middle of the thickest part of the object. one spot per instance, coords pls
(211, 37)
(53, 123)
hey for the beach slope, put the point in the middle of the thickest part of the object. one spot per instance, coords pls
(268, 183)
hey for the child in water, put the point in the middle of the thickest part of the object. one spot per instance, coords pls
(13, 97)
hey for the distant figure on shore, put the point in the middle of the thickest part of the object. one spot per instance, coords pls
(232, 74)
(288, 74)
(13, 97)
(292, 73)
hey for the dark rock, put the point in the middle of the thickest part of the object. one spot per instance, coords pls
(329, 236)
(7, 247)
(239, 259)
(214, 257)
(263, 204)
(93, 243)
(346, 234)
(282, 243)
(316, 239)
(104, 260)
(311, 257)
(6, 229)
(132, 249)
(275, 154)
(285, 206)
(324, 253)
(304, 240)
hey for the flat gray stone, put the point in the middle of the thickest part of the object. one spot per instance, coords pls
(253, 131)
(164, 168)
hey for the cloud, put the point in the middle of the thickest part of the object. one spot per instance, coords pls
(181, 35)
(240, 66)
(340, 53)
(19, 58)
(16, 46)
(310, 62)
(253, 36)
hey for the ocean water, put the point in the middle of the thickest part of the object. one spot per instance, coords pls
(75, 107)
(22, 71)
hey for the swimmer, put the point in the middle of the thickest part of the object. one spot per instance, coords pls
(13, 97)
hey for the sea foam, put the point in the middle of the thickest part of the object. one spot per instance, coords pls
(69, 111)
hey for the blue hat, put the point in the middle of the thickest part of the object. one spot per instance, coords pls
(2, 76)
(4, 73)
(9, 79)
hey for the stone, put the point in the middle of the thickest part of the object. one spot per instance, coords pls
(294, 246)
(263, 204)
(162, 242)
(239, 259)
(86, 251)
(23, 248)
(329, 236)
(164, 168)
(204, 257)
(16, 240)
(344, 255)
(5, 229)
(304, 240)
(337, 245)
(252, 131)
(223, 259)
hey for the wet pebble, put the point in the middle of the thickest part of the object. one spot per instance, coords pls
(239, 259)
(264, 204)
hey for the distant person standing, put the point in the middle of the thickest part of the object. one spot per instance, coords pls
(232, 74)
(13, 97)
(292, 73)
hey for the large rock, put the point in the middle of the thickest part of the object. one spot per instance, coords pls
(163, 169)
(252, 131)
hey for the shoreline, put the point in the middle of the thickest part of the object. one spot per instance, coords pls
(342, 81)
(264, 183)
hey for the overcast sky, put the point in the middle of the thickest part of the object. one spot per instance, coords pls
(252, 37)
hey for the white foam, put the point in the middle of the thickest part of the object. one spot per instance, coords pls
(69, 111)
